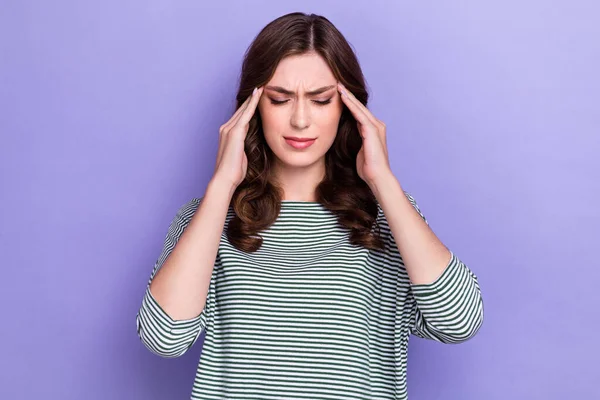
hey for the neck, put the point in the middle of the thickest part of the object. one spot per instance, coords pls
(299, 183)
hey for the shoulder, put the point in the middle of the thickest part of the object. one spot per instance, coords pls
(187, 210)
(410, 198)
(184, 214)
(381, 219)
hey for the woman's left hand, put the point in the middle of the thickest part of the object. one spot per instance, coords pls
(372, 161)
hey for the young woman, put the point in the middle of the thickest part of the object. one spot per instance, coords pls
(305, 262)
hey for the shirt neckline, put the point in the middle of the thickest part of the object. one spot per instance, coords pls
(300, 204)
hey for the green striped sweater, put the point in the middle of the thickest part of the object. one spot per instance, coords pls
(309, 315)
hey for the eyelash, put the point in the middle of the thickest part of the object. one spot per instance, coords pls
(321, 103)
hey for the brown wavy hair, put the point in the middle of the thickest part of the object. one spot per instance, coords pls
(257, 200)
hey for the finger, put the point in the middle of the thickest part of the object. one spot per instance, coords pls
(348, 97)
(358, 114)
(229, 124)
(236, 115)
(226, 126)
(251, 108)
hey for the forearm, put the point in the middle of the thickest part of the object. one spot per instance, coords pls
(181, 285)
(424, 255)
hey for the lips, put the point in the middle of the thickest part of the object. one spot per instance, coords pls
(299, 143)
(297, 139)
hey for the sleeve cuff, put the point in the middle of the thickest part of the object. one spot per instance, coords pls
(446, 278)
(152, 307)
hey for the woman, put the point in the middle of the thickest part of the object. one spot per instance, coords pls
(305, 262)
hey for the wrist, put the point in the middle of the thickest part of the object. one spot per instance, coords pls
(384, 183)
(221, 187)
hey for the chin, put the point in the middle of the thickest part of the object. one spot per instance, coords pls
(297, 160)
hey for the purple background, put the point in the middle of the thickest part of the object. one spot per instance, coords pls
(109, 116)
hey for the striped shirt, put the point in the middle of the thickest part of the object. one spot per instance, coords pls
(309, 315)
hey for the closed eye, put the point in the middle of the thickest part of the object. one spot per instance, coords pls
(322, 103)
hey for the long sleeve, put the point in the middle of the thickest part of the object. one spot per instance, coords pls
(160, 333)
(450, 309)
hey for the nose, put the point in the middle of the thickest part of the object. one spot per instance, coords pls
(300, 116)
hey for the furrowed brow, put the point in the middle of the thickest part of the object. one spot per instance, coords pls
(282, 90)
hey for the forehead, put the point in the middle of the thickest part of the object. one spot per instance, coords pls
(307, 70)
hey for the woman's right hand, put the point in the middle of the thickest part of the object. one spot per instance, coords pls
(232, 162)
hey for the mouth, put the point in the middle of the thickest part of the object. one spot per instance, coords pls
(297, 139)
(299, 143)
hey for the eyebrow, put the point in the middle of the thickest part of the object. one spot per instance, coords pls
(289, 92)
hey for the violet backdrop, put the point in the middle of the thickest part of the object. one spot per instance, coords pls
(109, 116)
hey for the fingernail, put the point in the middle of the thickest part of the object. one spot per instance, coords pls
(254, 91)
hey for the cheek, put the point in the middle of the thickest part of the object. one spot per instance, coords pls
(271, 118)
(329, 119)
(271, 125)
